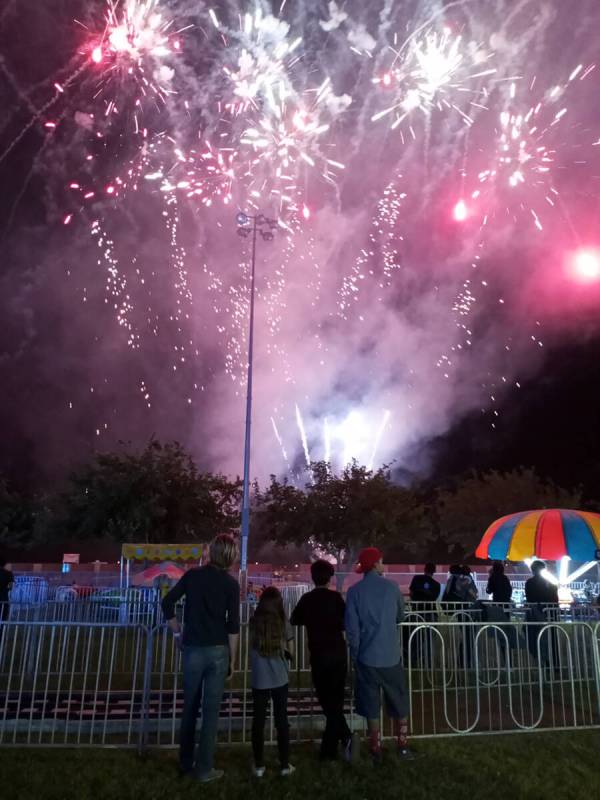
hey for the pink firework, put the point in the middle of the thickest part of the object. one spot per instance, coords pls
(137, 47)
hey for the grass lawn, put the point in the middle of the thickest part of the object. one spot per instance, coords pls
(549, 766)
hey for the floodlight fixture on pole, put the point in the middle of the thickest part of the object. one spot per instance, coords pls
(250, 225)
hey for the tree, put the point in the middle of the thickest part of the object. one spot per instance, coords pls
(153, 496)
(17, 519)
(465, 511)
(274, 522)
(342, 513)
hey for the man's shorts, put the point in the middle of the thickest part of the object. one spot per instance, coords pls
(371, 681)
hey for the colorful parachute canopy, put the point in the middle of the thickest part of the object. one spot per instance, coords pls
(549, 534)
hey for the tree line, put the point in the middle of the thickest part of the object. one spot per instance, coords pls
(159, 495)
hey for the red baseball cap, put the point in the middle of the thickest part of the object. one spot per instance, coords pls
(368, 558)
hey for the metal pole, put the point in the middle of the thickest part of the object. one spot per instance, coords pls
(246, 484)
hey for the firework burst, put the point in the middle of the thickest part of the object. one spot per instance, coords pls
(263, 57)
(529, 140)
(253, 123)
(288, 140)
(429, 72)
(204, 174)
(136, 49)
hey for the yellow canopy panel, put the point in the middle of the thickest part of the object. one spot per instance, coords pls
(163, 552)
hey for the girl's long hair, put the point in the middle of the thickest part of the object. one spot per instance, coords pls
(267, 626)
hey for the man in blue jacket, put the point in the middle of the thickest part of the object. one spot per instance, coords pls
(374, 607)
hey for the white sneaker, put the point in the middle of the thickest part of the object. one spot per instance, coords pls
(258, 772)
(288, 770)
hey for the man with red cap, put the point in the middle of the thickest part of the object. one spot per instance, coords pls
(374, 607)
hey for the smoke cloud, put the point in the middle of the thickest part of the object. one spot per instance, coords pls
(381, 319)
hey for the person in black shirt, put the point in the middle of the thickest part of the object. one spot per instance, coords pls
(210, 640)
(6, 582)
(498, 584)
(542, 599)
(322, 612)
(538, 589)
(424, 588)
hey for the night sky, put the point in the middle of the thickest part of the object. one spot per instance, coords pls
(391, 326)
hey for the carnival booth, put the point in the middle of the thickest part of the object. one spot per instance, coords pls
(169, 556)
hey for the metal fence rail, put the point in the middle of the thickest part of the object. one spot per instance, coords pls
(503, 677)
(72, 683)
(76, 683)
(142, 606)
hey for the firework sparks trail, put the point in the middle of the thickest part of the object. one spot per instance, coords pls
(382, 426)
(23, 97)
(39, 115)
(280, 441)
(300, 423)
(354, 435)
(326, 441)
(382, 253)
(116, 285)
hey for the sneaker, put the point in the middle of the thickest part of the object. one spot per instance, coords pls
(213, 775)
(406, 754)
(352, 749)
(288, 770)
(258, 772)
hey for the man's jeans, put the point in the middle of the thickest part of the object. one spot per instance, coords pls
(204, 674)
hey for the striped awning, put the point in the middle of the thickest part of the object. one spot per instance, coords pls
(549, 534)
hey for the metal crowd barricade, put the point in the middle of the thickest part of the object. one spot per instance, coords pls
(503, 676)
(72, 683)
(111, 606)
(101, 684)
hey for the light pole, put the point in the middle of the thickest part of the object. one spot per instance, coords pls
(250, 225)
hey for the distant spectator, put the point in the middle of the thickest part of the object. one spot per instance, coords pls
(449, 595)
(374, 607)
(424, 588)
(251, 594)
(164, 586)
(6, 582)
(538, 589)
(498, 584)
(322, 613)
(468, 586)
(461, 587)
(272, 646)
(542, 597)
